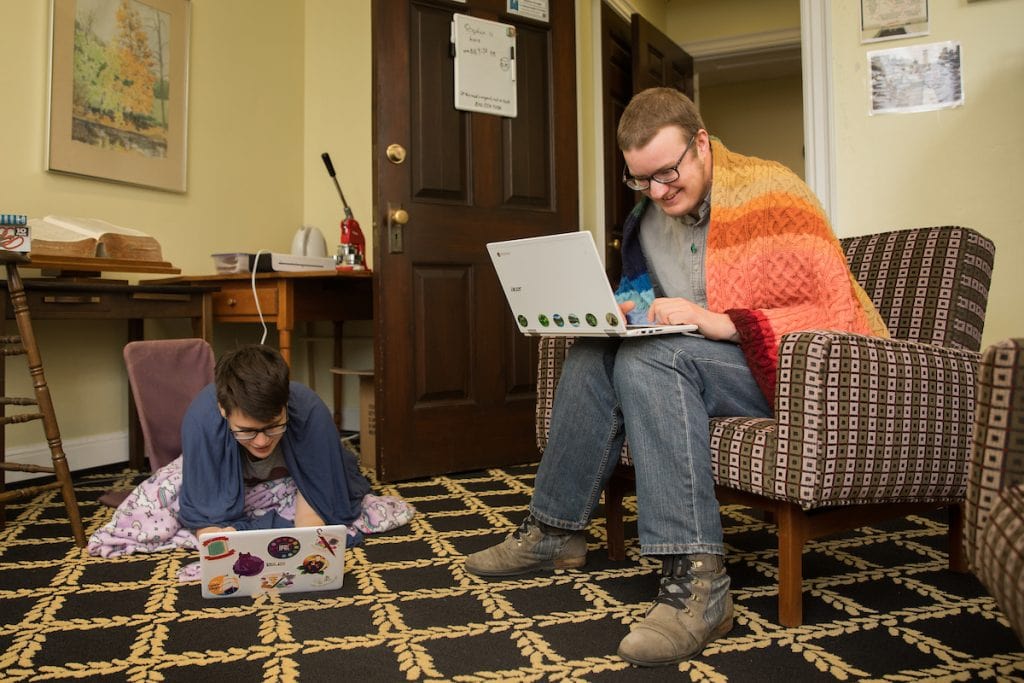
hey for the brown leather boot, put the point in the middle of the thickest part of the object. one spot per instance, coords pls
(693, 608)
(531, 547)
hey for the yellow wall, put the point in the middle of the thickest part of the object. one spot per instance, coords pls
(960, 166)
(694, 20)
(760, 118)
(338, 116)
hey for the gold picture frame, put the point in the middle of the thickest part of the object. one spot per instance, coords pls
(119, 91)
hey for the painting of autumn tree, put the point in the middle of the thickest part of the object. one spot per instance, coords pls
(121, 76)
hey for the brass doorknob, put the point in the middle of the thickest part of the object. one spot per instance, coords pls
(395, 153)
(400, 216)
(615, 244)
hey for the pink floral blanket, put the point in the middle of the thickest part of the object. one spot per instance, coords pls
(147, 520)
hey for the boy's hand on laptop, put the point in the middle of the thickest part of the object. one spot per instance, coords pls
(676, 311)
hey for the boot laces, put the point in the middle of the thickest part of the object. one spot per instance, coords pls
(546, 530)
(524, 528)
(675, 583)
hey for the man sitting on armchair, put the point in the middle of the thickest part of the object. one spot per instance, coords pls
(740, 247)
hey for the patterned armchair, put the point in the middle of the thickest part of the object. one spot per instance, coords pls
(994, 511)
(865, 429)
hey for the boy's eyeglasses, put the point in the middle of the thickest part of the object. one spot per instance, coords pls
(664, 176)
(269, 432)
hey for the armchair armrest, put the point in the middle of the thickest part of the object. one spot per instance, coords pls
(995, 489)
(869, 420)
(551, 357)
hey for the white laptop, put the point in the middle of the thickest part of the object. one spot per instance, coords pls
(556, 285)
(245, 563)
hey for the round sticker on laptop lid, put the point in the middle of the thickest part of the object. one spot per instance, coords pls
(543, 320)
(558, 320)
(222, 585)
(523, 320)
(313, 564)
(283, 547)
(591, 319)
(574, 320)
(612, 319)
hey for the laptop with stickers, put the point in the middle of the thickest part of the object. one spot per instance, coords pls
(556, 285)
(292, 560)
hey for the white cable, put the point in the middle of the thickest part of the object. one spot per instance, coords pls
(259, 311)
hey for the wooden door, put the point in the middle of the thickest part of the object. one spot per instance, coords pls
(634, 56)
(455, 381)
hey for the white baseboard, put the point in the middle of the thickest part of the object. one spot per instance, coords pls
(82, 454)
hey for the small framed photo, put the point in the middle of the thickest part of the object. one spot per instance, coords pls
(119, 91)
(892, 19)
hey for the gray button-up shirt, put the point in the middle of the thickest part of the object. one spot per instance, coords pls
(674, 249)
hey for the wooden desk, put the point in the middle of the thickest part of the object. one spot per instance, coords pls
(94, 299)
(288, 298)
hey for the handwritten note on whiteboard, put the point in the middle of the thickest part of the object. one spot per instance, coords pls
(485, 66)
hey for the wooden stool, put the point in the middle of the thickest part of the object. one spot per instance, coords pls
(25, 344)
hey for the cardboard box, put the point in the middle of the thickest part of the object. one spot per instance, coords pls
(367, 418)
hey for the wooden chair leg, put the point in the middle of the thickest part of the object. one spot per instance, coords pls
(615, 529)
(792, 534)
(957, 553)
(44, 402)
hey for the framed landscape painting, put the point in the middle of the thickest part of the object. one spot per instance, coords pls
(119, 91)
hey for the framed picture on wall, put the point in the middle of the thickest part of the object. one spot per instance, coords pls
(119, 91)
(892, 19)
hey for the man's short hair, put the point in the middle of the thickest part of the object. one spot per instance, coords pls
(651, 110)
(253, 379)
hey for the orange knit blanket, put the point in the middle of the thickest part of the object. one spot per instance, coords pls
(772, 263)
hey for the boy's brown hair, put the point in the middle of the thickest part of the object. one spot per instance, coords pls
(253, 379)
(651, 110)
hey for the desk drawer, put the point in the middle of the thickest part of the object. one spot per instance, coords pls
(233, 301)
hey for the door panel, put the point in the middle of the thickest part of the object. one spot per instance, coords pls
(634, 56)
(657, 60)
(455, 379)
(440, 169)
(442, 293)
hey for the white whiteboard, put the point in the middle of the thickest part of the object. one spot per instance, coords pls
(485, 65)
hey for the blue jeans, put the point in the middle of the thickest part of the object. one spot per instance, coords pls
(660, 391)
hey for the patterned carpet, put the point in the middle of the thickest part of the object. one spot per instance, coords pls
(879, 605)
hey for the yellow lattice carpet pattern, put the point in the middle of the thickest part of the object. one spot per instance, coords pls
(879, 604)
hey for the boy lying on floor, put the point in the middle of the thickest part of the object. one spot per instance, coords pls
(259, 452)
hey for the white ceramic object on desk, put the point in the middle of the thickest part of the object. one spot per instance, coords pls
(309, 241)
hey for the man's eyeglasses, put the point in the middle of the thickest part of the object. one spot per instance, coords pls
(664, 176)
(269, 432)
